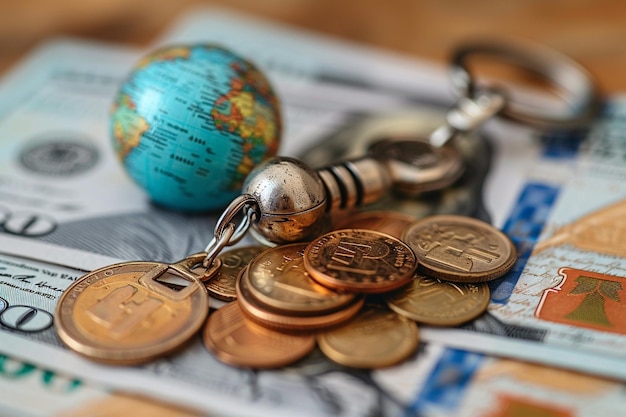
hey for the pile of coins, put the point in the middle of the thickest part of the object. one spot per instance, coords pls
(356, 293)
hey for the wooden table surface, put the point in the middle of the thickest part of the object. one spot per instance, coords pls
(591, 31)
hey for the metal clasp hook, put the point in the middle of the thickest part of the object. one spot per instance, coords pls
(469, 114)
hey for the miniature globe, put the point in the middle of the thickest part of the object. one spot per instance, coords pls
(191, 122)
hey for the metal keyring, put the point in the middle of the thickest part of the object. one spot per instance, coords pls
(559, 70)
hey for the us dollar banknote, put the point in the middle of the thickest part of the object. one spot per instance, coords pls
(559, 197)
(60, 181)
(560, 303)
(29, 291)
(68, 207)
(29, 390)
(436, 381)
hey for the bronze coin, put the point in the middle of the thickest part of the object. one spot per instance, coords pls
(121, 314)
(375, 338)
(236, 341)
(222, 284)
(278, 279)
(440, 303)
(279, 320)
(393, 223)
(460, 249)
(359, 260)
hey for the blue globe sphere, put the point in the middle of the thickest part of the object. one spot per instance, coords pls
(191, 122)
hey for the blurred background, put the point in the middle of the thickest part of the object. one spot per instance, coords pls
(591, 31)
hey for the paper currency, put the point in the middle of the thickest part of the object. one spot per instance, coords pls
(30, 289)
(59, 180)
(526, 177)
(301, 59)
(32, 391)
(435, 382)
(456, 383)
(92, 215)
(562, 304)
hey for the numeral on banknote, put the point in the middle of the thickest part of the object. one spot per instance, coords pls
(27, 224)
(24, 318)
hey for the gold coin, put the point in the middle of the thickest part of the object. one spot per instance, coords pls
(359, 260)
(236, 341)
(375, 338)
(122, 314)
(222, 284)
(439, 303)
(279, 280)
(279, 320)
(393, 223)
(460, 249)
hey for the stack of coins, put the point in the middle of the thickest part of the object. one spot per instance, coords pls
(329, 291)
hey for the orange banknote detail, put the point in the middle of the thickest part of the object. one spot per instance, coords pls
(586, 299)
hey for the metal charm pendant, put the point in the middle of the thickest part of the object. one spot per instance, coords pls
(126, 314)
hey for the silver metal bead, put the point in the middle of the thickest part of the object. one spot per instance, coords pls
(291, 200)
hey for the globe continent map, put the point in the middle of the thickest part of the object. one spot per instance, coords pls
(191, 122)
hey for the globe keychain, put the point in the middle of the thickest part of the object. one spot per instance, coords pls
(191, 116)
(283, 200)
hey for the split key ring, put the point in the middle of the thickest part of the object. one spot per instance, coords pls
(478, 103)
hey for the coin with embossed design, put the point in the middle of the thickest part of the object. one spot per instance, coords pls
(279, 280)
(237, 341)
(126, 313)
(440, 303)
(359, 260)
(460, 249)
(280, 320)
(393, 223)
(222, 284)
(375, 338)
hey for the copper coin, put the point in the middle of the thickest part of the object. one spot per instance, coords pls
(222, 284)
(440, 303)
(393, 223)
(460, 249)
(359, 260)
(122, 314)
(375, 338)
(279, 280)
(279, 320)
(237, 341)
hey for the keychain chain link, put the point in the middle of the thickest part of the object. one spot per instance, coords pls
(226, 232)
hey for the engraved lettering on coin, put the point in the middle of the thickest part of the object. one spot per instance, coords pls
(59, 158)
(222, 285)
(29, 224)
(125, 314)
(432, 301)
(26, 318)
(360, 261)
(375, 338)
(278, 278)
(360, 256)
(461, 249)
(236, 341)
(121, 313)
